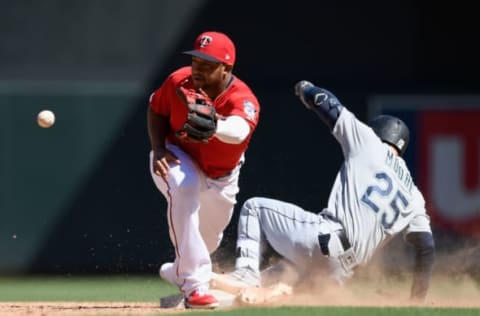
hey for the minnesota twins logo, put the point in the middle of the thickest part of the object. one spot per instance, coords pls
(205, 41)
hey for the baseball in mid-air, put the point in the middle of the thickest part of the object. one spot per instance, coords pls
(45, 118)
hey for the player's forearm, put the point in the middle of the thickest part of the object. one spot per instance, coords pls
(324, 103)
(424, 260)
(157, 126)
(232, 130)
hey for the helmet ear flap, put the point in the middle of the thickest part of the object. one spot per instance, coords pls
(391, 130)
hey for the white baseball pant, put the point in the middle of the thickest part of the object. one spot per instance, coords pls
(199, 210)
(293, 233)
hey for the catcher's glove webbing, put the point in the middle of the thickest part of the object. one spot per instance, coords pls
(201, 121)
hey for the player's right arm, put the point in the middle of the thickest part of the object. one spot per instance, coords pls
(158, 128)
(424, 247)
(418, 234)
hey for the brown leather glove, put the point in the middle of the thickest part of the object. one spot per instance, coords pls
(201, 120)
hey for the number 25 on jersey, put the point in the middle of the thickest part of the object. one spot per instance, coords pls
(383, 191)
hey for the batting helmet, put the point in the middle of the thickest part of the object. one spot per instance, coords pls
(391, 130)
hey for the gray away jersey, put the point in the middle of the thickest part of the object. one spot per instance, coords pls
(373, 195)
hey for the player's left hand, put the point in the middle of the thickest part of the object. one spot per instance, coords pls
(313, 96)
(201, 121)
(300, 88)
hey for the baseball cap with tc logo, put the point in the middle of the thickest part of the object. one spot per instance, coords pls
(214, 46)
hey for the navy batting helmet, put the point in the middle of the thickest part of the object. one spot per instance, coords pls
(391, 130)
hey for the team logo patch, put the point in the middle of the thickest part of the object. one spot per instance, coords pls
(400, 143)
(205, 41)
(249, 109)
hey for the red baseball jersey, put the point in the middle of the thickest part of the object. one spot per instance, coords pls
(215, 158)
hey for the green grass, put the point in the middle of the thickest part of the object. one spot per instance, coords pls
(150, 289)
(345, 311)
(95, 289)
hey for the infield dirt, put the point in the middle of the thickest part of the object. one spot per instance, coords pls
(444, 293)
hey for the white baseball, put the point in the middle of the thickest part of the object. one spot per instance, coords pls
(46, 118)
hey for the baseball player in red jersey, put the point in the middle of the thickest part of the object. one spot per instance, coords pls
(200, 122)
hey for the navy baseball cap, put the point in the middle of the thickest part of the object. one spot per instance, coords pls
(214, 46)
